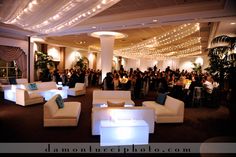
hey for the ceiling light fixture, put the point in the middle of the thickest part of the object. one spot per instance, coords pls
(117, 35)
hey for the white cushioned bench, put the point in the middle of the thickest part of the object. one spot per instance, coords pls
(100, 97)
(171, 112)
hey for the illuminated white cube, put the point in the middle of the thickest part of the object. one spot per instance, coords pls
(123, 132)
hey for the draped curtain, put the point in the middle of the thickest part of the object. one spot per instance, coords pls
(9, 53)
(50, 16)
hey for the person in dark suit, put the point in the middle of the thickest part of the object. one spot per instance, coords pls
(108, 80)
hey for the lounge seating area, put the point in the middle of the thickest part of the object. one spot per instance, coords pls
(117, 77)
(80, 122)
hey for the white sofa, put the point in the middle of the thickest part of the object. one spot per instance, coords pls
(79, 89)
(122, 113)
(100, 97)
(22, 81)
(23, 98)
(45, 89)
(171, 112)
(66, 116)
(5, 85)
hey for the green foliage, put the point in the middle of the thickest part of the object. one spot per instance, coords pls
(82, 63)
(221, 59)
(45, 64)
(43, 61)
(197, 68)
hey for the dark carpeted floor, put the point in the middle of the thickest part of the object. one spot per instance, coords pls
(25, 124)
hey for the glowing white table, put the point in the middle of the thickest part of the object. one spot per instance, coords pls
(123, 132)
(50, 93)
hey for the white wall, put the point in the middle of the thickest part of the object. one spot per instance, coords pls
(142, 64)
(98, 61)
(172, 63)
(132, 63)
(182, 63)
(71, 55)
(146, 63)
(54, 51)
(91, 58)
(186, 63)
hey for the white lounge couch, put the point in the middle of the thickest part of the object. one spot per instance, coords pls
(79, 89)
(45, 89)
(122, 113)
(23, 98)
(100, 97)
(66, 116)
(5, 85)
(171, 112)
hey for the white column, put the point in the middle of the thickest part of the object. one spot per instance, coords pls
(107, 44)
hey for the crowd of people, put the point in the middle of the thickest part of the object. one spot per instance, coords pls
(140, 83)
(70, 77)
(160, 81)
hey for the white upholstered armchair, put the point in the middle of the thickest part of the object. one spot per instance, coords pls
(68, 115)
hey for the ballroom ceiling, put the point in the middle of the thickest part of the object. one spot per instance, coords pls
(153, 25)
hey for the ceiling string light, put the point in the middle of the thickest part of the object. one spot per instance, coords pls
(18, 16)
(161, 46)
(69, 14)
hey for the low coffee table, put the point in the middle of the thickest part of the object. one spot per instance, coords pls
(50, 93)
(123, 132)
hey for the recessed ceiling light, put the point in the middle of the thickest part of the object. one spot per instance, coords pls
(117, 35)
(232, 23)
(94, 27)
(104, 1)
(155, 20)
(143, 23)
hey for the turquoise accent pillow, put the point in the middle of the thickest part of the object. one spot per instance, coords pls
(161, 98)
(59, 101)
(32, 86)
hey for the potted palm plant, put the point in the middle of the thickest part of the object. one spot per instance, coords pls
(82, 63)
(223, 66)
(43, 65)
(197, 68)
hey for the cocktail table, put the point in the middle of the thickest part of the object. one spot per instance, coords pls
(123, 132)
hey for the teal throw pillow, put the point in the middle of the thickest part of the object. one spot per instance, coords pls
(59, 101)
(161, 98)
(32, 86)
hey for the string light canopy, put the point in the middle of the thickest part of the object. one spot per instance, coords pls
(164, 46)
(51, 16)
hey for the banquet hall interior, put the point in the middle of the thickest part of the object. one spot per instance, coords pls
(162, 69)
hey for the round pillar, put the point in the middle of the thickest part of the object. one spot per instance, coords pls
(107, 40)
(107, 44)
